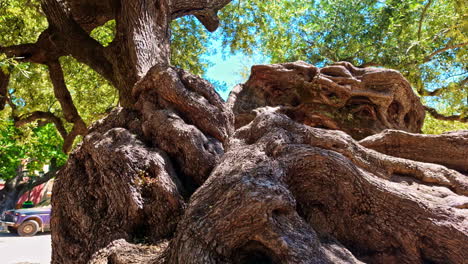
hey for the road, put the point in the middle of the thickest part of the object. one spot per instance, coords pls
(25, 250)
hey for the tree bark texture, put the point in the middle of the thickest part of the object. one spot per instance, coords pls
(275, 175)
(4, 79)
(169, 181)
(359, 101)
(287, 193)
(136, 169)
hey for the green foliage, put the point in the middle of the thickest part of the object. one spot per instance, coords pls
(21, 21)
(104, 34)
(189, 43)
(37, 145)
(434, 126)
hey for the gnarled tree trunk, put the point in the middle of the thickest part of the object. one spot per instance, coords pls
(273, 176)
(169, 182)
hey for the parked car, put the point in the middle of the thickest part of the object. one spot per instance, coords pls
(26, 222)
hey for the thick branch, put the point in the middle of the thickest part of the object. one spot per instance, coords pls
(68, 107)
(25, 53)
(18, 51)
(448, 149)
(204, 10)
(77, 130)
(62, 94)
(142, 41)
(439, 91)
(4, 80)
(43, 115)
(189, 7)
(42, 51)
(143, 29)
(74, 40)
(53, 44)
(58, 14)
(90, 14)
(449, 47)
(439, 116)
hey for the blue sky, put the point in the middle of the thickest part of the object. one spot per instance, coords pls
(229, 69)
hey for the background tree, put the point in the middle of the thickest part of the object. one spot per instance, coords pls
(28, 149)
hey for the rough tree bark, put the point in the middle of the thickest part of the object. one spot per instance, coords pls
(359, 101)
(449, 149)
(275, 191)
(287, 193)
(178, 176)
(4, 79)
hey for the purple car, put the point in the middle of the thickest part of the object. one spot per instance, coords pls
(26, 222)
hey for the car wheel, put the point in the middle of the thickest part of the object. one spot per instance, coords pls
(28, 228)
(12, 230)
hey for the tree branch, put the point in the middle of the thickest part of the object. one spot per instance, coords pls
(204, 10)
(76, 131)
(449, 47)
(423, 92)
(423, 15)
(61, 92)
(439, 116)
(4, 80)
(42, 51)
(74, 40)
(21, 52)
(79, 128)
(43, 115)
(68, 107)
(90, 14)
